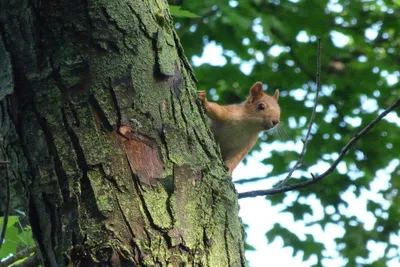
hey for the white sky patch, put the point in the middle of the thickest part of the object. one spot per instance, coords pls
(330, 114)
(368, 104)
(257, 28)
(319, 108)
(290, 63)
(357, 206)
(302, 37)
(384, 177)
(339, 20)
(193, 28)
(334, 6)
(378, 248)
(392, 117)
(302, 121)
(342, 168)
(247, 67)
(354, 172)
(212, 54)
(339, 39)
(276, 50)
(259, 56)
(372, 32)
(246, 41)
(233, 3)
(353, 121)
(395, 239)
(298, 94)
(391, 78)
(394, 253)
(292, 122)
(327, 90)
(362, 59)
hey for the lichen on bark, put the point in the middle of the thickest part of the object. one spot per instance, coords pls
(105, 134)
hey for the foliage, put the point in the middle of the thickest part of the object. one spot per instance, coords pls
(17, 237)
(275, 42)
(176, 11)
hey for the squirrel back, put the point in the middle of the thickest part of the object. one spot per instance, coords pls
(237, 127)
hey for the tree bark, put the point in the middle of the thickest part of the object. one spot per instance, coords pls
(110, 153)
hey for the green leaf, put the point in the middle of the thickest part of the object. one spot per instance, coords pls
(26, 237)
(249, 247)
(299, 210)
(176, 11)
(11, 239)
(312, 247)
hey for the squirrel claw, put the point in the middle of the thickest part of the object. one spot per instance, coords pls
(202, 95)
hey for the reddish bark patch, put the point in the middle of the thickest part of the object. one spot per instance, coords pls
(143, 155)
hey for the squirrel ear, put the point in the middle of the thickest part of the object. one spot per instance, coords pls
(276, 95)
(256, 91)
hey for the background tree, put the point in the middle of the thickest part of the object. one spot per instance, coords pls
(106, 149)
(275, 42)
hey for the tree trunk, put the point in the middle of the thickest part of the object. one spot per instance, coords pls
(110, 153)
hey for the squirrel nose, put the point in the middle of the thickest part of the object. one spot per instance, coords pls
(275, 122)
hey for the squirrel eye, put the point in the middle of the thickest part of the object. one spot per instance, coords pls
(260, 107)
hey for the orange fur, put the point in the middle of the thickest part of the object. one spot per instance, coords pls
(236, 127)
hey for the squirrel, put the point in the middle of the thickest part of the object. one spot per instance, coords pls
(236, 127)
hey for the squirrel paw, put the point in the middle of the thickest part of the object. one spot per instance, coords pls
(202, 95)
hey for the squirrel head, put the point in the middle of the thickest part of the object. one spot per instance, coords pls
(263, 110)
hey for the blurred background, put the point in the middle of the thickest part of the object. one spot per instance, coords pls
(351, 218)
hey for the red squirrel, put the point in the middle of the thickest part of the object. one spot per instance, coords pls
(236, 127)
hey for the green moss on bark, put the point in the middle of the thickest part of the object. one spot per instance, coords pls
(122, 165)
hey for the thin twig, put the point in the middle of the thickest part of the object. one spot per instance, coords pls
(306, 139)
(253, 179)
(317, 178)
(7, 204)
(257, 179)
(18, 256)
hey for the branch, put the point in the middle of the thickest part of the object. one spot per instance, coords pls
(317, 178)
(7, 204)
(253, 179)
(19, 256)
(257, 179)
(305, 140)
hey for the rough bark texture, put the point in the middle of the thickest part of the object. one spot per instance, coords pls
(109, 151)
